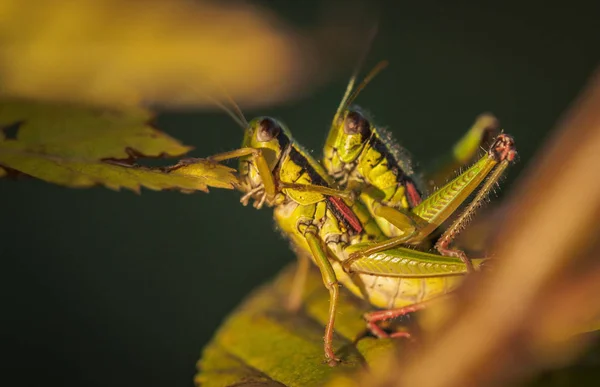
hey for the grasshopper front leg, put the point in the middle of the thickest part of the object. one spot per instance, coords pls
(268, 181)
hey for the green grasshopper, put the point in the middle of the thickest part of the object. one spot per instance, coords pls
(327, 225)
(363, 158)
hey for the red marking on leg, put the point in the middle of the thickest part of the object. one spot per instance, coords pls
(413, 196)
(346, 213)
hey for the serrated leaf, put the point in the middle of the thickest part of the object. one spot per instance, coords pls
(66, 131)
(170, 52)
(262, 341)
(77, 147)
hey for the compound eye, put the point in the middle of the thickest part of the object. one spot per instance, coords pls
(355, 123)
(268, 129)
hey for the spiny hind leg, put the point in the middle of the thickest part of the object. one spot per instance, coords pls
(438, 207)
(505, 149)
(464, 150)
(500, 154)
(415, 229)
(417, 224)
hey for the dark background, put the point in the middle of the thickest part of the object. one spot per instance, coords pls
(100, 288)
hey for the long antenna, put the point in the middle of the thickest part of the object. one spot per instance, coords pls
(376, 70)
(234, 112)
(235, 107)
(361, 60)
(240, 121)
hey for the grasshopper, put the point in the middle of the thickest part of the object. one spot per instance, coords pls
(328, 225)
(363, 158)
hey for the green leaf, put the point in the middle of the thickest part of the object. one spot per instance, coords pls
(261, 343)
(81, 147)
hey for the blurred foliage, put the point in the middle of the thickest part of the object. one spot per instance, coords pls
(173, 53)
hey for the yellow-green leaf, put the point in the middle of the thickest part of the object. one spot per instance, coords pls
(77, 147)
(262, 341)
(65, 131)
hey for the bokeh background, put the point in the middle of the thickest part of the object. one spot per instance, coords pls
(103, 288)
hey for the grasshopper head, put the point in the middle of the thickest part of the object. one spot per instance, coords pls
(269, 135)
(347, 138)
(272, 138)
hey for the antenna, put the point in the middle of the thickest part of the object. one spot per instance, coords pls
(235, 108)
(376, 70)
(241, 121)
(234, 111)
(361, 59)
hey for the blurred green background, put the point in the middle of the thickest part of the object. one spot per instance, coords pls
(101, 288)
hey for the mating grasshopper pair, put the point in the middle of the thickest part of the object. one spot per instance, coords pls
(357, 215)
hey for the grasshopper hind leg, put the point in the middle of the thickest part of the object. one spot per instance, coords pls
(419, 223)
(505, 152)
(479, 136)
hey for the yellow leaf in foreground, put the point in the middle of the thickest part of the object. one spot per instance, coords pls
(77, 147)
(263, 343)
(171, 52)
